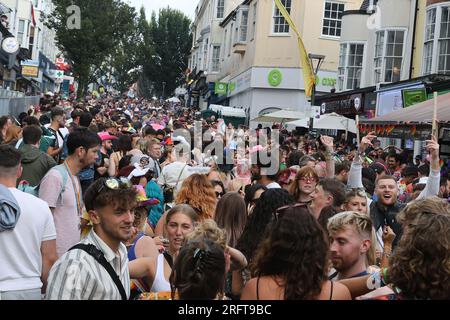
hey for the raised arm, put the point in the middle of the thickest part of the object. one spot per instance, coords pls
(355, 174)
(328, 142)
(238, 260)
(432, 187)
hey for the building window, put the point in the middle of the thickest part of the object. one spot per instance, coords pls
(332, 19)
(394, 56)
(429, 41)
(31, 43)
(354, 65)
(220, 8)
(444, 42)
(243, 27)
(436, 54)
(21, 31)
(342, 65)
(216, 59)
(389, 55)
(350, 66)
(280, 25)
(254, 20)
(378, 63)
(240, 32)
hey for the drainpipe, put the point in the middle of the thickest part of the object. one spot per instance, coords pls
(413, 39)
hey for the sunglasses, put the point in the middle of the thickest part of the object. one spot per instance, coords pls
(278, 214)
(114, 184)
(219, 194)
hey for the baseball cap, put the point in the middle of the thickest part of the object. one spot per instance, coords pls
(142, 161)
(106, 136)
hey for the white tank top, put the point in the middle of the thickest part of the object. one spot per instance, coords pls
(160, 283)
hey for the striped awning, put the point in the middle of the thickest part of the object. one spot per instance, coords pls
(421, 113)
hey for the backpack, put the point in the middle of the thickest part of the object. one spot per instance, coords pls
(24, 185)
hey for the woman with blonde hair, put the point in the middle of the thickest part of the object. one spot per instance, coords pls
(13, 134)
(197, 192)
(234, 259)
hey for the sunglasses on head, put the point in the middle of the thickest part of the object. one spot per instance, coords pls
(278, 214)
(114, 184)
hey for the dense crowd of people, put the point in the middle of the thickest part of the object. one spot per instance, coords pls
(113, 198)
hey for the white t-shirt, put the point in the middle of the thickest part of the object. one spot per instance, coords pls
(20, 249)
(171, 173)
(273, 185)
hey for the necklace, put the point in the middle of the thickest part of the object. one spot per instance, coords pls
(76, 190)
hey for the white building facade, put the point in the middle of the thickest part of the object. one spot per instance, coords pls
(256, 56)
(32, 34)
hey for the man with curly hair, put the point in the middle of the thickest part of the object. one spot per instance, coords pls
(420, 266)
(78, 275)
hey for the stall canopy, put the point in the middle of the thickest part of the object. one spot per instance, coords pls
(280, 116)
(418, 113)
(331, 121)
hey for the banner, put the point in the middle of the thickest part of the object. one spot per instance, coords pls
(414, 96)
(308, 74)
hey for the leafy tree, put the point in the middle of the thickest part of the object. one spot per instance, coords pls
(172, 39)
(104, 24)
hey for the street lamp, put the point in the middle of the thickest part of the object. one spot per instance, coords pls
(319, 59)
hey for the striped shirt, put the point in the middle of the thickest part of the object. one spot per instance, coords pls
(78, 276)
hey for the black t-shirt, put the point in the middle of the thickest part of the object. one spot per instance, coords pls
(101, 164)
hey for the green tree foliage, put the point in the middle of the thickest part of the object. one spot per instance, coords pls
(172, 41)
(117, 46)
(104, 25)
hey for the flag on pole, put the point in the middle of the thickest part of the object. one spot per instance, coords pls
(308, 74)
(33, 17)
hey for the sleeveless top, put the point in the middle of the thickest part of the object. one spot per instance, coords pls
(132, 249)
(257, 289)
(160, 283)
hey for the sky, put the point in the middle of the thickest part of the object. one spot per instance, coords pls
(186, 6)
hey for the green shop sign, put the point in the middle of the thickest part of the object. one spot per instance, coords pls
(413, 96)
(275, 77)
(326, 82)
(220, 88)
